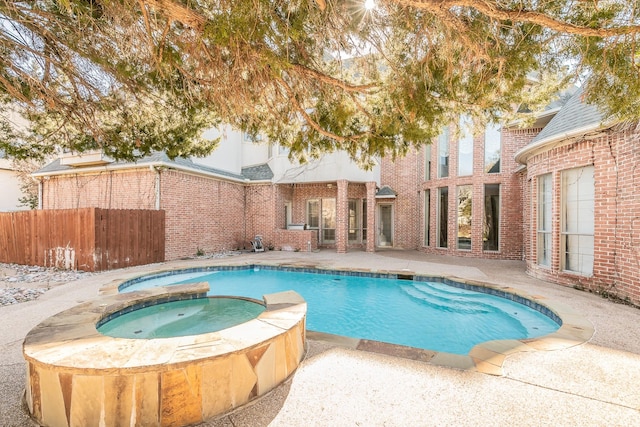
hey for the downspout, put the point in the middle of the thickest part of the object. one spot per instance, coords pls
(244, 210)
(157, 188)
(40, 192)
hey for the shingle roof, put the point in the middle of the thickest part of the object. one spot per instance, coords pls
(157, 157)
(574, 115)
(257, 173)
(386, 192)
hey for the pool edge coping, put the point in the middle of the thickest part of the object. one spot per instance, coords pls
(487, 357)
(77, 327)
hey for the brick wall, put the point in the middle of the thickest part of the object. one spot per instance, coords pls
(264, 213)
(301, 193)
(615, 157)
(404, 176)
(295, 240)
(407, 177)
(202, 213)
(109, 190)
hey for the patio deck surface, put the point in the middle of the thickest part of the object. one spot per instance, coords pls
(593, 383)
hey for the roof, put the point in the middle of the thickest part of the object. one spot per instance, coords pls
(385, 192)
(544, 116)
(575, 120)
(576, 114)
(260, 172)
(257, 173)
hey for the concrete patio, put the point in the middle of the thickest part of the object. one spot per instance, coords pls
(595, 383)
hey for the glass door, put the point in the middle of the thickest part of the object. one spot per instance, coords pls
(328, 232)
(385, 224)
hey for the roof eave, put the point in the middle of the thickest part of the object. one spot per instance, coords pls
(150, 165)
(522, 156)
(536, 116)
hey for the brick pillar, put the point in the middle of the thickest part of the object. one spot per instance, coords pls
(371, 216)
(342, 217)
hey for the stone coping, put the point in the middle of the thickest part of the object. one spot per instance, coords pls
(70, 340)
(487, 357)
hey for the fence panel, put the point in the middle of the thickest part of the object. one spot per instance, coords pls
(89, 239)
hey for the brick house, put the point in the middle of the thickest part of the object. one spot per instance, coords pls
(559, 194)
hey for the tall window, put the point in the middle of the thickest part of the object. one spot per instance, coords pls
(248, 138)
(544, 220)
(492, 148)
(577, 220)
(283, 151)
(287, 214)
(443, 215)
(354, 221)
(427, 162)
(465, 147)
(491, 226)
(443, 153)
(427, 217)
(464, 216)
(313, 214)
(364, 220)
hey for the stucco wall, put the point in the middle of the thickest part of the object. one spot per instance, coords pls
(10, 192)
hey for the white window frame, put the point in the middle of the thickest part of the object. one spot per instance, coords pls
(577, 220)
(499, 218)
(465, 142)
(544, 220)
(460, 189)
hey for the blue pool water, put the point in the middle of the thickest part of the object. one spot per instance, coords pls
(428, 315)
(182, 318)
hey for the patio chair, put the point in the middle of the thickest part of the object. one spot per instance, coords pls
(257, 244)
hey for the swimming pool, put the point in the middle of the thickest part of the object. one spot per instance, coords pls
(428, 313)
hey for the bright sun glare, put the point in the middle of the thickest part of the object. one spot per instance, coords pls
(369, 4)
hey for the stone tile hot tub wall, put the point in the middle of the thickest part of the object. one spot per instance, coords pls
(78, 377)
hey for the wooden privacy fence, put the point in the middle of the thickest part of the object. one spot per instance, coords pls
(89, 239)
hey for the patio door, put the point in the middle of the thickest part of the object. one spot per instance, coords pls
(321, 216)
(385, 224)
(328, 225)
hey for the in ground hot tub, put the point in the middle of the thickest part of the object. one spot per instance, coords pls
(78, 376)
(180, 318)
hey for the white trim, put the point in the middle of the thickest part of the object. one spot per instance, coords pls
(150, 165)
(523, 154)
(538, 116)
(379, 224)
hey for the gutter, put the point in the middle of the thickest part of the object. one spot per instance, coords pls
(541, 115)
(97, 169)
(523, 155)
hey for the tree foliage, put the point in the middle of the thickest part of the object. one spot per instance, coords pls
(134, 76)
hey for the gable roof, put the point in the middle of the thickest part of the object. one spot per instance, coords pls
(576, 114)
(575, 119)
(257, 173)
(386, 192)
(260, 172)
